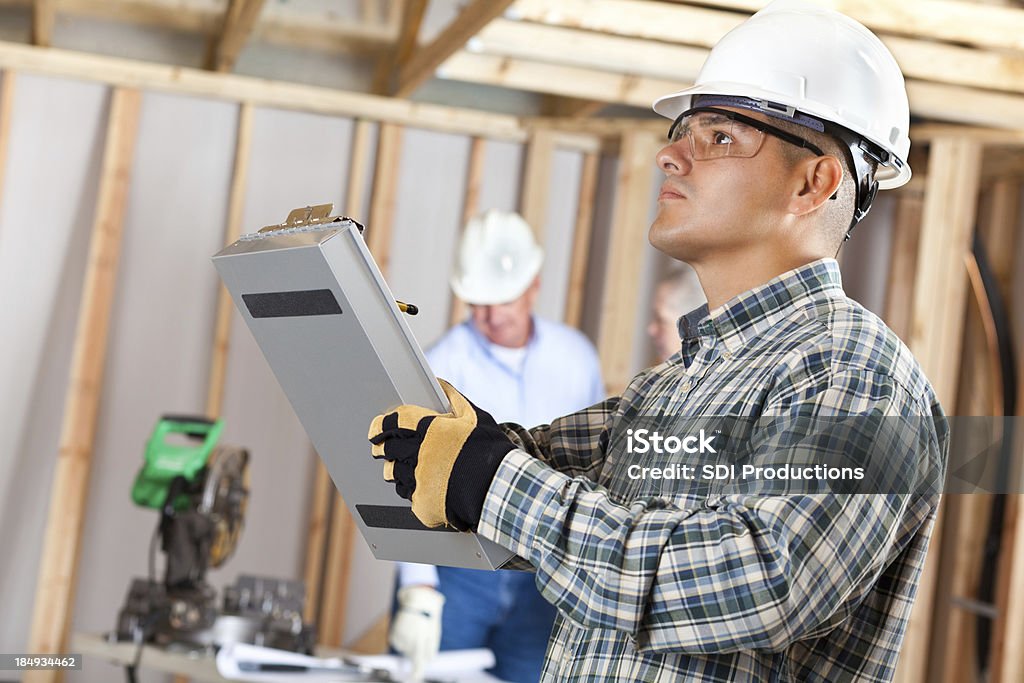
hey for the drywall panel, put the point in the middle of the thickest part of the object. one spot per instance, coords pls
(46, 211)
(428, 212)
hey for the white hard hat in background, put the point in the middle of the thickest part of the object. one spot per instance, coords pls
(498, 259)
(819, 62)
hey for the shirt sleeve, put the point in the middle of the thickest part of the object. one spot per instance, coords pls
(742, 571)
(574, 444)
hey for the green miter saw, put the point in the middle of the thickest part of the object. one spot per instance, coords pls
(201, 490)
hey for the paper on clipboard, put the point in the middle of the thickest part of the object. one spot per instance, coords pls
(325, 320)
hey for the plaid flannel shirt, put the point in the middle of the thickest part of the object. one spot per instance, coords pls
(655, 581)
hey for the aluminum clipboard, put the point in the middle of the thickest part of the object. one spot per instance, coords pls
(328, 326)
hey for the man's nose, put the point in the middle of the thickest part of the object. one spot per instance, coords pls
(676, 157)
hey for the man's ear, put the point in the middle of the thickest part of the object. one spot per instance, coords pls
(816, 181)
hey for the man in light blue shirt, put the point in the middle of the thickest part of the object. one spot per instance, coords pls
(520, 368)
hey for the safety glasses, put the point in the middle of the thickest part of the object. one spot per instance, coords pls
(715, 133)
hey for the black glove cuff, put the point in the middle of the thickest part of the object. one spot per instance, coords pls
(472, 474)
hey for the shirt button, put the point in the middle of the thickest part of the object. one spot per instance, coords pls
(686, 385)
(727, 354)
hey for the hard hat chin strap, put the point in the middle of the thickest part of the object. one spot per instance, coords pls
(866, 157)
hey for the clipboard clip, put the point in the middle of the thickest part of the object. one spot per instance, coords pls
(316, 214)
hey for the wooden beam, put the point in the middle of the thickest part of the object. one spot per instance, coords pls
(570, 107)
(43, 14)
(317, 541)
(398, 57)
(239, 20)
(424, 61)
(619, 310)
(533, 201)
(638, 36)
(258, 91)
(906, 237)
(956, 21)
(382, 204)
(942, 102)
(569, 81)
(1002, 137)
(470, 208)
(581, 239)
(58, 571)
(6, 103)
(280, 23)
(337, 575)
(940, 294)
(571, 47)
(232, 229)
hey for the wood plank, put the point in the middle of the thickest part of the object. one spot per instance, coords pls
(533, 200)
(942, 102)
(43, 15)
(337, 575)
(239, 20)
(940, 294)
(581, 239)
(424, 61)
(58, 572)
(951, 20)
(906, 236)
(7, 80)
(570, 107)
(633, 192)
(232, 229)
(569, 81)
(570, 47)
(396, 58)
(382, 204)
(470, 208)
(316, 541)
(280, 24)
(258, 91)
(651, 39)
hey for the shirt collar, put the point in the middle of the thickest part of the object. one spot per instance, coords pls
(747, 315)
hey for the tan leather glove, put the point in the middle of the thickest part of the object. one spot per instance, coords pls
(443, 463)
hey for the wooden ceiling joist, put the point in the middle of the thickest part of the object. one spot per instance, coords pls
(631, 45)
(956, 21)
(408, 31)
(425, 60)
(258, 91)
(570, 81)
(239, 20)
(279, 24)
(931, 100)
(571, 47)
(43, 12)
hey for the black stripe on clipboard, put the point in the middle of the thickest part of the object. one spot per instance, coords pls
(291, 304)
(394, 517)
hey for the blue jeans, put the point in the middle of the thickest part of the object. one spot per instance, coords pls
(500, 610)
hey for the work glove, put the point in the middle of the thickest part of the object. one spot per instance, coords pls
(416, 628)
(443, 463)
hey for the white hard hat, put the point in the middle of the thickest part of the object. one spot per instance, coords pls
(797, 57)
(498, 259)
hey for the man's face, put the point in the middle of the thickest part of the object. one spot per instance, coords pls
(507, 324)
(714, 207)
(662, 328)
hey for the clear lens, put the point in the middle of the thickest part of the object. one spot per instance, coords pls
(713, 136)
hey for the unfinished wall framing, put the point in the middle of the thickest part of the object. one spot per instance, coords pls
(927, 301)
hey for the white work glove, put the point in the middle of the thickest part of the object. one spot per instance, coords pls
(416, 628)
